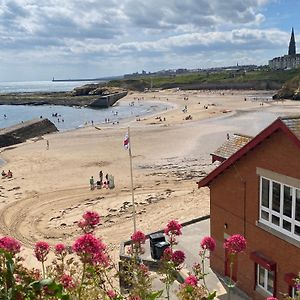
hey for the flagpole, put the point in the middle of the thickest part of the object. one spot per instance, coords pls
(131, 176)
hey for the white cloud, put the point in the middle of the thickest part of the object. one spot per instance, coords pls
(127, 32)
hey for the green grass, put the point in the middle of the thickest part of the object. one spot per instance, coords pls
(140, 83)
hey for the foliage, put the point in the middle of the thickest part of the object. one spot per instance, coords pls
(196, 78)
(86, 272)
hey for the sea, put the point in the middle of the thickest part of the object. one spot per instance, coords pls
(68, 118)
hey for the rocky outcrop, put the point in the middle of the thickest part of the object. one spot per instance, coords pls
(290, 90)
(95, 89)
(21, 132)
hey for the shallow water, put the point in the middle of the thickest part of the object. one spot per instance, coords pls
(76, 117)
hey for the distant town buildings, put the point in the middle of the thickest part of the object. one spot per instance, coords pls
(289, 61)
(174, 72)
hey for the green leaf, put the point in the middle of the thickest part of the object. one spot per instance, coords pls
(154, 295)
(46, 282)
(189, 288)
(211, 295)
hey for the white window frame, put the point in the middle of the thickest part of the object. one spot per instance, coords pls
(293, 292)
(266, 277)
(292, 220)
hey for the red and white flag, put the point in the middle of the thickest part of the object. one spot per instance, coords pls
(126, 141)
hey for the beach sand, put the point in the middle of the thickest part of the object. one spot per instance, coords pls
(50, 191)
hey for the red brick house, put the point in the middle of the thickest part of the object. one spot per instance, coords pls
(256, 193)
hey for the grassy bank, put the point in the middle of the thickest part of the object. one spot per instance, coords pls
(261, 78)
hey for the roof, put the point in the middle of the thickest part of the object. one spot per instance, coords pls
(289, 125)
(293, 123)
(232, 145)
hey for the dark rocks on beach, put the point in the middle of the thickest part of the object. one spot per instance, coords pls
(80, 96)
(21, 132)
(94, 89)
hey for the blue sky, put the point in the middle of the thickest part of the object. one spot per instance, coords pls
(96, 38)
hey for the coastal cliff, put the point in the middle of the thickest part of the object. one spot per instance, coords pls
(290, 90)
(21, 132)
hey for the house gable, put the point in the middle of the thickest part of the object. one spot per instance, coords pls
(279, 124)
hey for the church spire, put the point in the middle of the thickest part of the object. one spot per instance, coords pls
(292, 45)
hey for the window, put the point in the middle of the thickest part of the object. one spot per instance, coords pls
(265, 279)
(293, 292)
(280, 207)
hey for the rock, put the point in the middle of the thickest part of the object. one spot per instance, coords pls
(21, 132)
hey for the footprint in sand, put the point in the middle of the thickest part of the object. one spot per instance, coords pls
(14, 188)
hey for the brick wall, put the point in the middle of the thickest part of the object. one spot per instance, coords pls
(235, 202)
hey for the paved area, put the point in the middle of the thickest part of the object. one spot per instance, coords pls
(189, 242)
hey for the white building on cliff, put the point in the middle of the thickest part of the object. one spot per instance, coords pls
(289, 61)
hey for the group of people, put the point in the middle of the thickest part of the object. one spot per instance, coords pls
(107, 183)
(9, 174)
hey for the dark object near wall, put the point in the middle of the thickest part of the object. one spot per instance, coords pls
(159, 249)
(154, 239)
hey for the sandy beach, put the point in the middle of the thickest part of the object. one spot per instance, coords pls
(50, 190)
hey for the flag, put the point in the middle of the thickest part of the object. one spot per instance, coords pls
(126, 141)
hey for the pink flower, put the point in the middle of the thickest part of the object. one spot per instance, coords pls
(67, 282)
(208, 243)
(178, 257)
(138, 237)
(101, 258)
(173, 227)
(191, 280)
(235, 244)
(167, 255)
(144, 269)
(88, 247)
(271, 298)
(297, 287)
(111, 294)
(10, 245)
(91, 217)
(90, 220)
(60, 249)
(82, 224)
(41, 250)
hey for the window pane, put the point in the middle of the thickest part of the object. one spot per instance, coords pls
(276, 197)
(261, 276)
(275, 220)
(270, 282)
(287, 201)
(264, 215)
(265, 192)
(297, 215)
(287, 225)
(297, 230)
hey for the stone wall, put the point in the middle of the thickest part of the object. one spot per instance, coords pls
(21, 132)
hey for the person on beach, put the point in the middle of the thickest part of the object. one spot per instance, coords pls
(47, 145)
(3, 173)
(101, 177)
(92, 183)
(9, 174)
(106, 182)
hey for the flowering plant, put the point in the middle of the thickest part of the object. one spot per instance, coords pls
(172, 230)
(86, 272)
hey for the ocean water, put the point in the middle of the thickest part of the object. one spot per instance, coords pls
(68, 117)
(40, 86)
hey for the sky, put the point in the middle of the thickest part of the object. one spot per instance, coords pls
(98, 38)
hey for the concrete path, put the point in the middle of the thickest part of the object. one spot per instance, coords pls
(189, 242)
